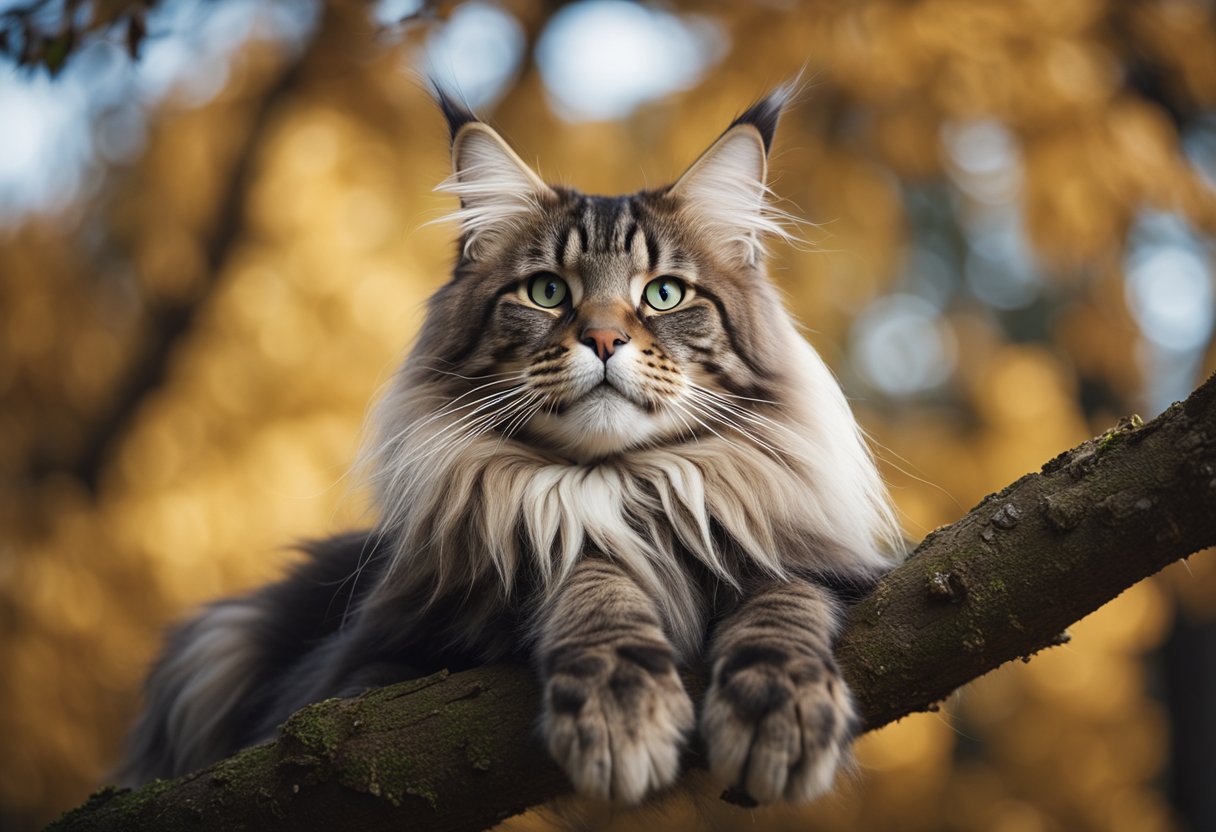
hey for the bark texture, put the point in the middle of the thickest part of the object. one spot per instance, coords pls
(457, 752)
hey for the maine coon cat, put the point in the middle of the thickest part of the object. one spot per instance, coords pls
(610, 451)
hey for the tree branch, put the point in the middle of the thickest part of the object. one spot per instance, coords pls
(457, 752)
(172, 321)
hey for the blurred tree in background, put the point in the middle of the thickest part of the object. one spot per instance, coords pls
(211, 256)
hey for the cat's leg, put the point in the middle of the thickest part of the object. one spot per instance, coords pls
(615, 713)
(778, 717)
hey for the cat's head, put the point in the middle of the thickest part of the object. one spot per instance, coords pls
(589, 325)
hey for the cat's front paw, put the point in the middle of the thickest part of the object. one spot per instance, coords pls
(616, 719)
(776, 724)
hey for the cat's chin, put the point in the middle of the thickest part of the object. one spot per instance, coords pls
(602, 423)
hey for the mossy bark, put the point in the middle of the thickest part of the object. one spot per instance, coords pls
(458, 752)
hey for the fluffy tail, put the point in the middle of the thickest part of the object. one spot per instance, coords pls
(217, 685)
(194, 695)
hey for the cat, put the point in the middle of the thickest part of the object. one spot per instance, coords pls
(610, 451)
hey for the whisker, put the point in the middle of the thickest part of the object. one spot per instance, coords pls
(449, 408)
(526, 414)
(365, 557)
(758, 419)
(880, 447)
(710, 409)
(507, 417)
(460, 428)
(687, 426)
(732, 395)
(479, 405)
(688, 412)
(742, 413)
(468, 378)
(724, 398)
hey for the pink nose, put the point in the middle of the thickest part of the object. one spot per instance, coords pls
(604, 341)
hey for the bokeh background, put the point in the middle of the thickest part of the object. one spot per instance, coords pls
(212, 256)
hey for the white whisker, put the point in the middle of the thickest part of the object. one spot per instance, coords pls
(710, 410)
(451, 407)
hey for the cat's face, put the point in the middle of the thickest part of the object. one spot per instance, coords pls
(591, 325)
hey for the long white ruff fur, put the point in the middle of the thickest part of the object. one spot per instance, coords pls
(457, 508)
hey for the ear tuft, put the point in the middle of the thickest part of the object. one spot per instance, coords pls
(456, 112)
(765, 113)
(497, 189)
(726, 188)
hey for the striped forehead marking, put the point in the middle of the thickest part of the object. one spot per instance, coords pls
(608, 225)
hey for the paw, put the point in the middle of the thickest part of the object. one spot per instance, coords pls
(616, 719)
(776, 724)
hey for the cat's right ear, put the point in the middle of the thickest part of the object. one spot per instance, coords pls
(496, 188)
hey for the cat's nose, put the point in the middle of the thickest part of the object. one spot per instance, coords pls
(604, 341)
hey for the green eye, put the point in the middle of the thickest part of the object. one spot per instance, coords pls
(547, 290)
(664, 293)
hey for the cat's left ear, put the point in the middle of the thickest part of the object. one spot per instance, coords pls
(726, 189)
(496, 188)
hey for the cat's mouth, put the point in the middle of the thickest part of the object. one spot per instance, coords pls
(604, 415)
(606, 388)
(596, 385)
